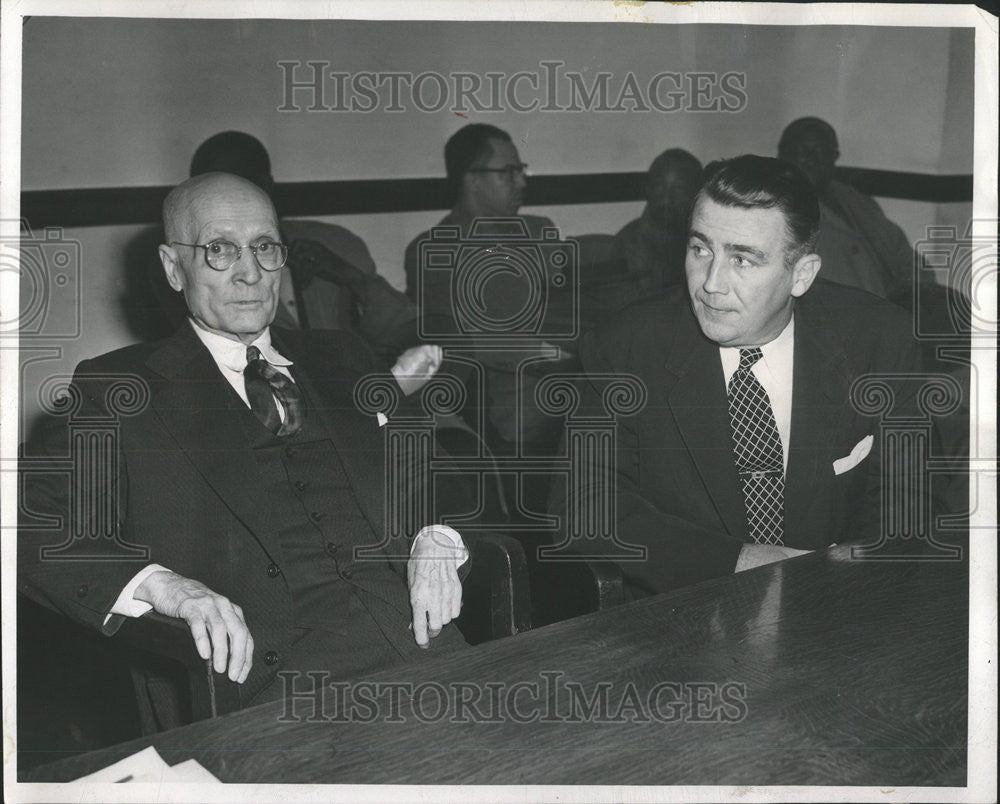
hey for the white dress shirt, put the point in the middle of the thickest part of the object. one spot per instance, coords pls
(231, 358)
(774, 372)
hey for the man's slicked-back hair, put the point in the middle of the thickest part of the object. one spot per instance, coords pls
(465, 147)
(762, 182)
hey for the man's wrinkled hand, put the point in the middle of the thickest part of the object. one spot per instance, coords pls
(757, 555)
(416, 366)
(435, 588)
(216, 623)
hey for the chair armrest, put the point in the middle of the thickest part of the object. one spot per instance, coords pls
(609, 582)
(170, 638)
(496, 599)
(564, 589)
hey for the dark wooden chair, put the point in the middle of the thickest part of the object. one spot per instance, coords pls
(174, 685)
(561, 590)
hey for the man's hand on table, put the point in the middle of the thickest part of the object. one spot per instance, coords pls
(757, 555)
(435, 588)
(216, 623)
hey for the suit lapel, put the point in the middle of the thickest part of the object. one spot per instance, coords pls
(203, 414)
(700, 408)
(820, 387)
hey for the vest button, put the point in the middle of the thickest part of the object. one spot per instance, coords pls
(316, 516)
(273, 571)
(300, 485)
(271, 657)
(82, 591)
(331, 548)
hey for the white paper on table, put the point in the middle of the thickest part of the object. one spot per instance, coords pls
(145, 766)
(148, 766)
(190, 770)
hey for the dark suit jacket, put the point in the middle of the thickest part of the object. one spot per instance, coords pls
(678, 492)
(190, 490)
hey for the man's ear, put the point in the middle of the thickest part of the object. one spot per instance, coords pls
(804, 272)
(171, 267)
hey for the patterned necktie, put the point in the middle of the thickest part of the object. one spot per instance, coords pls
(263, 383)
(757, 450)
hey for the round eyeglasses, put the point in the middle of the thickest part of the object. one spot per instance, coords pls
(221, 255)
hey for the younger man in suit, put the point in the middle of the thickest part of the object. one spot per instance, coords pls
(748, 449)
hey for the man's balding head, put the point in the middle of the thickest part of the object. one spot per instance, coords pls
(194, 197)
(240, 301)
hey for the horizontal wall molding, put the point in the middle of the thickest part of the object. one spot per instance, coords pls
(113, 206)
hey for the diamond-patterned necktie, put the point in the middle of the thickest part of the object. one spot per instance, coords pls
(757, 450)
(263, 383)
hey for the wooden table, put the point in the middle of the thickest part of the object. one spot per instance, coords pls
(838, 672)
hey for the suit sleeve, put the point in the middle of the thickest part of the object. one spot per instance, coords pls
(896, 353)
(73, 516)
(452, 493)
(677, 552)
(892, 247)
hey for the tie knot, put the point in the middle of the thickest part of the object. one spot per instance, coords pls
(253, 353)
(747, 357)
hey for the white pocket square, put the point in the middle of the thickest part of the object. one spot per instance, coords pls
(381, 418)
(858, 454)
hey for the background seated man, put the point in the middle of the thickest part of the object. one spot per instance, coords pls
(859, 245)
(250, 476)
(748, 449)
(487, 179)
(655, 244)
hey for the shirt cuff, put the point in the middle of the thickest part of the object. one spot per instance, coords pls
(126, 605)
(447, 537)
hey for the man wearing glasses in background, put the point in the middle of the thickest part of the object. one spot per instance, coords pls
(486, 179)
(250, 476)
(487, 182)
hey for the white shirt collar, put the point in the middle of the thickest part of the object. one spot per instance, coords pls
(777, 351)
(233, 354)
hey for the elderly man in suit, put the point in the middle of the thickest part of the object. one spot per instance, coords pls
(748, 449)
(251, 477)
